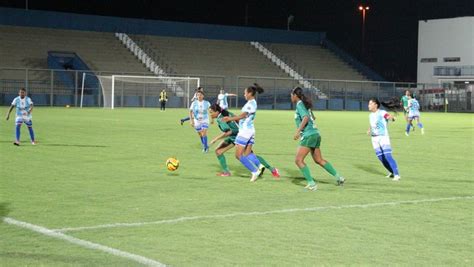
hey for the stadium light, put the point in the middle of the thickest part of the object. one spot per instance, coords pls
(363, 9)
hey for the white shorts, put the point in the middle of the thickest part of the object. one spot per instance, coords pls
(381, 144)
(200, 125)
(23, 119)
(245, 138)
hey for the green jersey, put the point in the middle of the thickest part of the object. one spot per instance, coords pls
(404, 100)
(228, 126)
(301, 112)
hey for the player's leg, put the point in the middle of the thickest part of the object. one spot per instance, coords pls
(387, 154)
(29, 124)
(220, 150)
(267, 165)
(420, 125)
(301, 154)
(18, 124)
(318, 158)
(241, 142)
(379, 153)
(184, 119)
(409, 124)
(204, 127)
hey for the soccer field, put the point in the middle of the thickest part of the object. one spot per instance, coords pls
(95, 191)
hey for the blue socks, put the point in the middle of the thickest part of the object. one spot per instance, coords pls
(32, 134)
(248, 163)
(204, 142)
(385, 162)
(420, 125)
(392, 163)
(253, 159)
(408, 128)
(18, 127)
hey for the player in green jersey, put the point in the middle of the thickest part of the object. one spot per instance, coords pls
(229, 133)
(310, 140)
(404, 103)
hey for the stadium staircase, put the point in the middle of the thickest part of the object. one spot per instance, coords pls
(147, 60)
(287, 69)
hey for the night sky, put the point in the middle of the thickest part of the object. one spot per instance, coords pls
(391, 33)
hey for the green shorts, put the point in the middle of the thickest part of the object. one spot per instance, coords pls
(230, 139)
(311, 141)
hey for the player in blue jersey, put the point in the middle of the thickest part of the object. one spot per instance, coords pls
(310, 140)
(24, 107)
(222, 99)
(199, 118)
(246, 136)
(413, 113)
(192, 100)
(230, 130)
(380, 139)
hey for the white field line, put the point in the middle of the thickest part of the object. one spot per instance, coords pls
(259, 213)
(83, 243)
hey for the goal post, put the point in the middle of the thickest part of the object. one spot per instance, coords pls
(144, 91)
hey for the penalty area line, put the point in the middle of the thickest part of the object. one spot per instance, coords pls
(260, 213)
(82, 243)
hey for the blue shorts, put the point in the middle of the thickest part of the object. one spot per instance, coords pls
(245, 139)
(20, 120)
(199, 126)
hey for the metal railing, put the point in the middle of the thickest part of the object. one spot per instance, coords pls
(46, 88)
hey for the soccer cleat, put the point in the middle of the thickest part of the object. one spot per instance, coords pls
(16, 143)
(406, 134)
(422, 131)
(389, 175)
(396, 178)
(341, 181)
(33, 142)
(254, 176)
(224, 174)
(205, 150)
(181, 121)
(311, 187)
(261, 169)
(275, 173)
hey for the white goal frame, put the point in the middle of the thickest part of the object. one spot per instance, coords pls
(185, 92)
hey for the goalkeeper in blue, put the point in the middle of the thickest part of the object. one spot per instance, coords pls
(24, 107)
(413, 113)
(380, 139)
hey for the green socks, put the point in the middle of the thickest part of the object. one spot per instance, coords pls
(223, 163)
(307, 175)
(264, 163)
(329, 168)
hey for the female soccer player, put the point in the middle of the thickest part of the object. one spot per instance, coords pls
(192, 100)
(222, 99)
(246, 136)
(380, 140)
(310, 140)
(24, 107)
(230, 131)
(199, 114)
(404, 102)
(413, 113)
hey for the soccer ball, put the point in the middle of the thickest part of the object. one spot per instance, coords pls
(172, 164)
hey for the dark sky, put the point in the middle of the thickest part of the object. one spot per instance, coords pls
(391, 25)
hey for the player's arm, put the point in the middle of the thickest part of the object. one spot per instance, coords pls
(31, 108)
(9, 111)
(191, 117)
(222, 135)
(235, 118)
(368, 131)
(388, 116)
(231, 95)
(304, 121)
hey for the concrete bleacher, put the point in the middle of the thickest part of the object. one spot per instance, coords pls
(27, 47)
(201, 57)
(316, 61)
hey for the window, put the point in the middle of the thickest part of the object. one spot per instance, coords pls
(452, 59)
(428, 59)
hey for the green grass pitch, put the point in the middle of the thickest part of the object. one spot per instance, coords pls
(94, 167)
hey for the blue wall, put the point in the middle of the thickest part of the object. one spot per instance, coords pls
(59, 20)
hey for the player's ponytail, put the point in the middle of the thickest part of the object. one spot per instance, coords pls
(255, 88)
(393, 104)
(299, 93)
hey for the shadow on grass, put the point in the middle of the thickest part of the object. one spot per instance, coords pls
(297, 178)
(369, 169)
(72, 145)
(4, 210)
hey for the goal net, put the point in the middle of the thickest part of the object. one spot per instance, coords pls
(144, 91)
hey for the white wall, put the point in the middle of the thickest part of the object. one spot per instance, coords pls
(442, 38)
